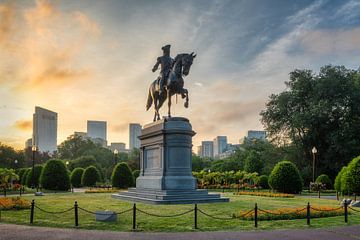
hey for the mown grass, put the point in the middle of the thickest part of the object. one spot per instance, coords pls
(103, 201)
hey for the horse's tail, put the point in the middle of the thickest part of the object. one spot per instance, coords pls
(149, 100)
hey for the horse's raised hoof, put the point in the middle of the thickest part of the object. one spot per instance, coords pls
(186, 104)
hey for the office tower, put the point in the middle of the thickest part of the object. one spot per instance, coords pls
(119, 146)
(96, 131)
(45, 130)
(254, 134)
(220, 144)
(207, 149)
(134, 133)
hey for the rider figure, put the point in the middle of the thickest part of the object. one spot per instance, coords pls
(166, 64)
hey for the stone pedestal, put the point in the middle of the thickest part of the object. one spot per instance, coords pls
(165, 162)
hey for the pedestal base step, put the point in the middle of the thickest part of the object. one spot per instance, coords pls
(169, 196)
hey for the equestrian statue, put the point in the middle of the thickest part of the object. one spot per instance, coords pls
(170, 80)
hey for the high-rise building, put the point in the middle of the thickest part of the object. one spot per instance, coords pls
(119, 146)
(96, 131)
(254, 134)
(134, 133)
(220, 144)
(45, 130)
(207, 149)
(199, 151)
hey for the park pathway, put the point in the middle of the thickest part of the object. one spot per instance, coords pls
(18, 232)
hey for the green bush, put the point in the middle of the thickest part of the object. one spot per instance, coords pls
(136, 174)
(345, 181)
(82, 162)
(75, 177)
(90, 176)
(354, 175)
(324, 179)
(285, 177)
(337, 184)
(263, 182)
(122, 176)
(24, 176)
(21, 173)
(55, 176)
(29, 178)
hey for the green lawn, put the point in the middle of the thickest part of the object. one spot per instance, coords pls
(103, 201)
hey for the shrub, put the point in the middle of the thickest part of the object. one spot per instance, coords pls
(24, 177)
(34, 180)
(285, 177)
(266, 194)
(21, 173)
(263, 182)
(337, 184)
(75, 177)
(345, 181)
(55, 176)
(90, 176)
(14, 203)
(324, 179)
(354, 175)
(122, 176)
(136, 174)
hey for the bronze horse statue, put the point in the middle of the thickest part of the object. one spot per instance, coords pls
(173, 85)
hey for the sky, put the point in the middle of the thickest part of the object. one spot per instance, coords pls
(92, 60)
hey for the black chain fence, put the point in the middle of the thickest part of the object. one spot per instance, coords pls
(252, 214)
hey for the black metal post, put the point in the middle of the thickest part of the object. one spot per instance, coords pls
(337, 195)
(5, 191)
(355, 197)
(76, 214)
(195, 216)
(33, 169)
(346, 211)
(32, 211)
(134, 216)
(20, 192)
(308, 214)
(319, 193)
(256, 215)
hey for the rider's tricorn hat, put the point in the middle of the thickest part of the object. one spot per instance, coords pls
(166, 47)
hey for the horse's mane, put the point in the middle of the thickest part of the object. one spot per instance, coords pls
(179, 56)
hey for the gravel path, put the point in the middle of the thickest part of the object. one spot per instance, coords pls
(18, 232)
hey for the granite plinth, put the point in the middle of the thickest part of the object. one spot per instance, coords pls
(166, 166)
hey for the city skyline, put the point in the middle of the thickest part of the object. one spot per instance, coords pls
(71, 58)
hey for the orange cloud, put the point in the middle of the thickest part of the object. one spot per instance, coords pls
(47, 46)
(24, 125)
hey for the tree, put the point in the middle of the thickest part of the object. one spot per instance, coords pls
(34, 180)
(285, 177)
(90, 176)
(199, 163)
(55, 176)
(253, 163)
(82, 162)
(8, 155)
(75, 177)
(6, 176)
(75, 147)
(122, 176)
(134, 159)
(318, 110)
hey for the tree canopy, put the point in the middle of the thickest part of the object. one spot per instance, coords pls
(320, 110)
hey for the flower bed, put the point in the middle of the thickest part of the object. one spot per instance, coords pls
(14, 203)
(292, 213)
(101, 190)
(266, 194)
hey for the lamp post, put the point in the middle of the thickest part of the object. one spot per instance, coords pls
(314, 151)
(15, 163)
(67, 165)
(34, 150)
(115, 156)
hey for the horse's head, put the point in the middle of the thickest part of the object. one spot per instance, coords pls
(187, 61)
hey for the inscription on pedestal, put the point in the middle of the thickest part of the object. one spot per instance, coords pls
(152, 158)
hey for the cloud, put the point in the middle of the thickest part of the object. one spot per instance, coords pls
(48, 46)
(331, 41)
(24, 125)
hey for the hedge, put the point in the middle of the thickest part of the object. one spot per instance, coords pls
(37, 173)
(324, 179)
(75, 177)
(285, 177)
(90, 176)
(263, 182)
(122, 176)
(55, 176)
